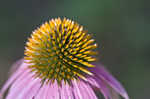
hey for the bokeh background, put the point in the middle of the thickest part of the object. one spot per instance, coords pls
(121, 28)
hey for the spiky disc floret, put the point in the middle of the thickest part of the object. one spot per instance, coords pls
(60, 50)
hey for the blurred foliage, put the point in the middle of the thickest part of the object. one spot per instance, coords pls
(121, 28)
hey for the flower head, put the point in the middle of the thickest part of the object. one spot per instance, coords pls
(60, 50)
(58, 65)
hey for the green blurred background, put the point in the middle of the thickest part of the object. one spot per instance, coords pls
(121, 28)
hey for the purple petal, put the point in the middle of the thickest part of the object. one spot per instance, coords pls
(16, 65)
(87, 88)
(66, 91)
(76, 90)
(63, 93)
(53, 92)
(98, 83)
(45, 94)
(33, 84)
(82, 90)
(102, 73)
(12, 78)
(19, 84)
(33, 91)
(114, 94)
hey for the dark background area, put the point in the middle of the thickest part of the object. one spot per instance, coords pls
(120, 27)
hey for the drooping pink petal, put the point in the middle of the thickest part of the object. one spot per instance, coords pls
(13, 77)
(19, 84)
(25, 91)
(46, 92)
(42, 93)
(33, 91)
(62, 90)
(68, 90)
(114, 94)
(76, 91)
(65, 91)
(80, 92)
(53, 92)
(102, 73)
(10, 81)
(101, 86)
(16, 65)
(86, 88)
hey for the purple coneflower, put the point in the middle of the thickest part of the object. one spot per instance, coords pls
(58, 65)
